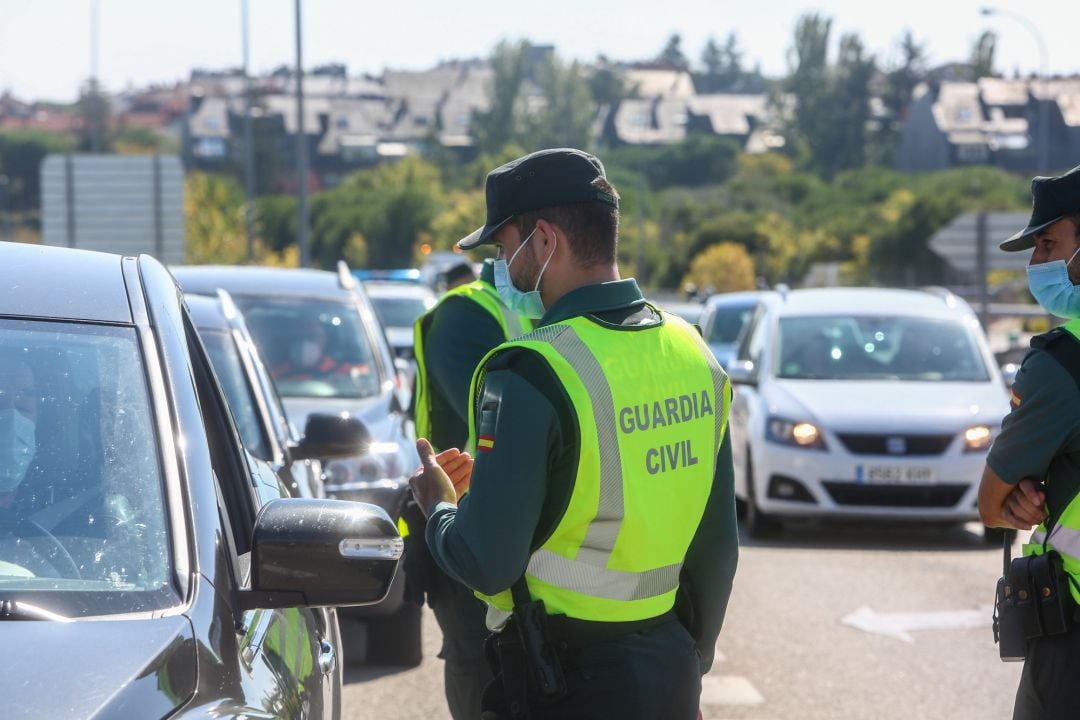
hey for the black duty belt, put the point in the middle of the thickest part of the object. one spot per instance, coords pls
(577, 633)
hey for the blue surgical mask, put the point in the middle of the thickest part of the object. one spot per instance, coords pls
(16, 448)
(1051, 287)
(528, 304)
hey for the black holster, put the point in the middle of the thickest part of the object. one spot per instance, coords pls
(525, 658)
(1032, 601)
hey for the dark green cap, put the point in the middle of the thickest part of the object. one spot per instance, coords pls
(1052, 198)
(544, 179)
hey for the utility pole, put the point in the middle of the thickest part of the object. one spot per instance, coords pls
(301, 149)
(94, 114)
(249, 143)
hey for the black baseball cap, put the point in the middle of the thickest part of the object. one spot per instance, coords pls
(543, 179)
(1052, 198)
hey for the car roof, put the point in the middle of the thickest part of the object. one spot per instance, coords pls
(206, 311)
(55, 282)
(392, 288)
(739, 299)
(868, 301)
(284, 282)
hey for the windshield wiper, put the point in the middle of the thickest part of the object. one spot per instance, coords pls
(12, 610)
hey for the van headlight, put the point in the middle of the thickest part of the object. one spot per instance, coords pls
(794, 433)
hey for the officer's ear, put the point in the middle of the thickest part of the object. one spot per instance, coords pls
(549, 234)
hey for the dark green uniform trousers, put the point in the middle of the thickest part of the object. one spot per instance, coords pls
(466, 672)
(1051, 674)
(650, 675)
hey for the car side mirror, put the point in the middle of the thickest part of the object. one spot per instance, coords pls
(742, 372)
(321, 553)
(331, 436)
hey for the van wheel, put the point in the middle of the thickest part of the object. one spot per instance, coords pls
(759, 525)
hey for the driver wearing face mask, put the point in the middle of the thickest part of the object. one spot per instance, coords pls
(1032, 474)
(18, 421)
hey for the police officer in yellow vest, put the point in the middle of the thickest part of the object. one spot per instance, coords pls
(450, 340)
(600, 522)
(1032, 473)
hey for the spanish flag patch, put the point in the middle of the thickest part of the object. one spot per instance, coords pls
(1014, 399)
(485, 443)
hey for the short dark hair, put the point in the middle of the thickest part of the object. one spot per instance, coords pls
(459, 272)
(593, 227)
(1075, 217)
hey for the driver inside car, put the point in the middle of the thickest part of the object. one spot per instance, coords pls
(18, 422)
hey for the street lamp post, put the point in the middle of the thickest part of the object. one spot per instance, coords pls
(94, 116)
(249, 149)
(301, 149)
(1044, 73)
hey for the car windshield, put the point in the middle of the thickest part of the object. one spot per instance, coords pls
(399, 311)
(853, 347)
(727, 322)
(82, 514)
(230, 371)
(314, 348)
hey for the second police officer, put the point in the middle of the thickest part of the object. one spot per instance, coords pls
(600, 522)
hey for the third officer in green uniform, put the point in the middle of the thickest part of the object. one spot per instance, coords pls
(600, 522)
(450, 340)
(1032, 475)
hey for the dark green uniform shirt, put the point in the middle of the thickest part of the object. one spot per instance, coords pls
(520, 489)
(1040, 437)
(460, 335)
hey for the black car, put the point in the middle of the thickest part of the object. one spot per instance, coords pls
(327, 353)
(165, 569)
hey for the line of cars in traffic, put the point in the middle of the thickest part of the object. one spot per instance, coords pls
(161, 521)
(856, 403)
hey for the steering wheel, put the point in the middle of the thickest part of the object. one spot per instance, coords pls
(57, 552)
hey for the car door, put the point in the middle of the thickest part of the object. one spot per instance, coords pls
(285, 664)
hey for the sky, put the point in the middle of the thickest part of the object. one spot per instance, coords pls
(45, 44)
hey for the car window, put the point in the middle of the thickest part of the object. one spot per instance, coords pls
(868, 348)
(754, 341)
(314, 348)
(399, 311)
(225, 358)
(82, 512)
(726, 322)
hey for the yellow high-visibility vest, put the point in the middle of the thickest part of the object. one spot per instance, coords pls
(652, 407)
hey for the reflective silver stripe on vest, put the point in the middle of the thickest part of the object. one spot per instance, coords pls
(585, 578)
(599, 540)
(720, 381)
(1065, 540)
(513, 322)
(1038, 537)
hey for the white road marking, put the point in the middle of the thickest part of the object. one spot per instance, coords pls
(729, 690)
(898, 625)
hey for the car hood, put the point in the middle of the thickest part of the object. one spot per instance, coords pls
(886, 406)
(91, 668)
(374, 412)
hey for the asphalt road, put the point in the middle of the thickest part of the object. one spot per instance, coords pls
(827, 623)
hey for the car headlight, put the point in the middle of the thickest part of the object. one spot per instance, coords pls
(379, 467)
(977, 437)
(794, 433)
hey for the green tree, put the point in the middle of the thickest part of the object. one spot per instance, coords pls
(21, 154)
(214, 220)
(900, 83)
(982, 55)
(96, 134)
(568, 111)
(672, 53)
(723, 267)
(494, 128)
(847, 141)
(722, 65)
(608, 83)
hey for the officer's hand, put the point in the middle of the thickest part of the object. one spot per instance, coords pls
(1023, 507)
(430, 483)
(458, 466)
